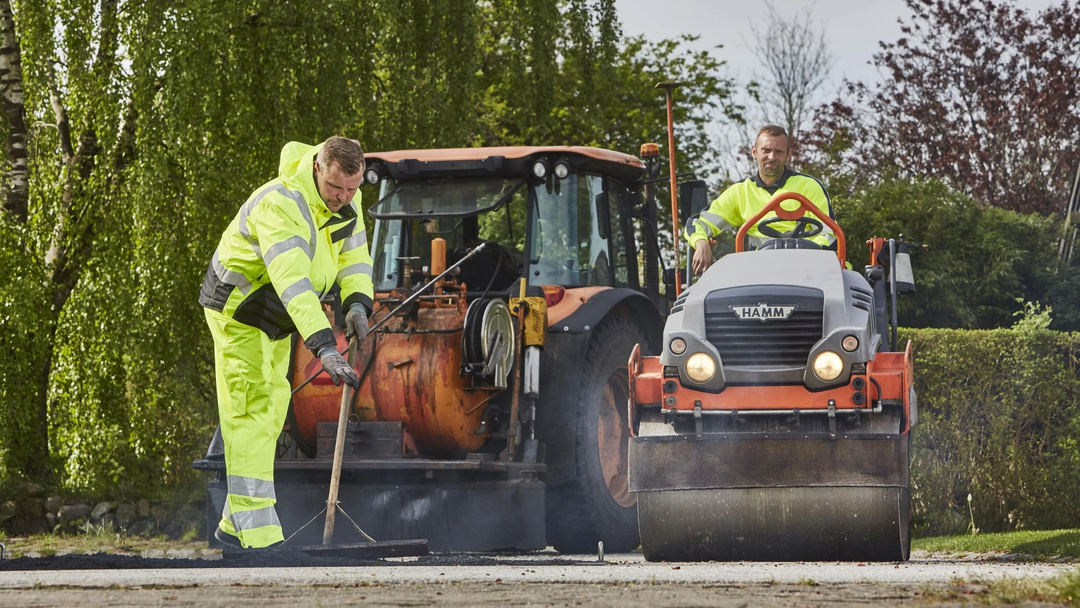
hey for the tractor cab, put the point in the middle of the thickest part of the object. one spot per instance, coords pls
(556, 219)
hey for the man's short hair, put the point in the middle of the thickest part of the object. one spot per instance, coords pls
(344, 152)
(773, 131)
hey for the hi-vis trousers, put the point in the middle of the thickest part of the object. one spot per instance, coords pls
(253, 397)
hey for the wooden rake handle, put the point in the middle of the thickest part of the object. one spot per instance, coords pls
(339, 451)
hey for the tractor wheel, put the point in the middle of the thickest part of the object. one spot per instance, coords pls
(596, 505)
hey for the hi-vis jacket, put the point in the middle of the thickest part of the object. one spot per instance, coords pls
(284, 250)
(745, 199)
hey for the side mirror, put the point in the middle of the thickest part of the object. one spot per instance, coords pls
(603, 214)
(693, 198)
(905, 278)
(669, 279)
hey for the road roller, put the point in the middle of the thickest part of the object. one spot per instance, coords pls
(774, 425)
(492, 408)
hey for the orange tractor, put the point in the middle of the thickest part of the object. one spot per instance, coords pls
(775, 422)
(492, 410)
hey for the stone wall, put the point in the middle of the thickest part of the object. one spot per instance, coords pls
(36, 511)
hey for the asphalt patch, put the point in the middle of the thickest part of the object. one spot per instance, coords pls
(269, 559)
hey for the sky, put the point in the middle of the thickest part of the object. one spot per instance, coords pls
(853, 27)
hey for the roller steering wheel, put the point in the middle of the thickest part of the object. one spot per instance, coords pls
(805, 227)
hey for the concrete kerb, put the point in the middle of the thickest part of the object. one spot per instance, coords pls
(621, 569)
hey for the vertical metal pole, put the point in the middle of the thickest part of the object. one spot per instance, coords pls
(513, 434)
(892, 288)
(668, 88)
(651, 234)
(689, 275)
(1068, 235)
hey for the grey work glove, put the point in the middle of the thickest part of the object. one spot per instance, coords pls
(338, 368)
(356, 323)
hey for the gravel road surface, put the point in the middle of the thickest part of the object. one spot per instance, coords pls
(530, 580)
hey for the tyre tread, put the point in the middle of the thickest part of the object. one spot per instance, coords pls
(572, 525)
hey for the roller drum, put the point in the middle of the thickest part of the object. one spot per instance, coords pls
(776, 524)
(776, 496)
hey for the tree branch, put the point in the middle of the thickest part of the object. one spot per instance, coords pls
(63, 125)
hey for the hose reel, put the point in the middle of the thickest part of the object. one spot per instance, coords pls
(487, 341)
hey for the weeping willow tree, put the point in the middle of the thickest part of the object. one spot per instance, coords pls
(134, 131)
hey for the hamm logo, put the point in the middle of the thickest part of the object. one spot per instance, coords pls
(762, 312)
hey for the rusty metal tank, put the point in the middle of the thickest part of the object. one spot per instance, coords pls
(413, 377)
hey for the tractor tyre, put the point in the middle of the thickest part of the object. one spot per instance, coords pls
(596, 505)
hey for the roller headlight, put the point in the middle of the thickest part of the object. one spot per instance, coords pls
(540, 169)
(700, 367)
(371, 176)
(827, 366)
(562, 169)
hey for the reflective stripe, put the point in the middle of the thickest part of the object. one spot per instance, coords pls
(358, 238)
(251, 487)
(293, 242)
(249, 520)
(294, 195)
(719, 222)
(230, 276)
(246, 210)
(701, 227)
(306, 212)
(354, 269)
(712, 218)
(296, 289)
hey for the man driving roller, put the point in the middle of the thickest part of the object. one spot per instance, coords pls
(743, 200)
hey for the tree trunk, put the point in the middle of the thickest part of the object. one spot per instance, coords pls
(16, 186)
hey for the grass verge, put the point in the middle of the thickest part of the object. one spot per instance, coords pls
(1062, 590)
(1025, 544)
(99, 541)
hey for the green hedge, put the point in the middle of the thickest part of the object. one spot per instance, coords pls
(999, 415)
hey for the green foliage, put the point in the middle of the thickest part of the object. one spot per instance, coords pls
(999, 416)
(22, 326)
(109, 384)
(1067, 587)
(978, 262)
(1032, 316)
(1064, 295)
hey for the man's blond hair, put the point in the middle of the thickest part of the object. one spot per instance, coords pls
(344, 152)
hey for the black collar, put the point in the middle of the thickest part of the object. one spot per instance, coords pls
(777, 184)
(345, 214)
